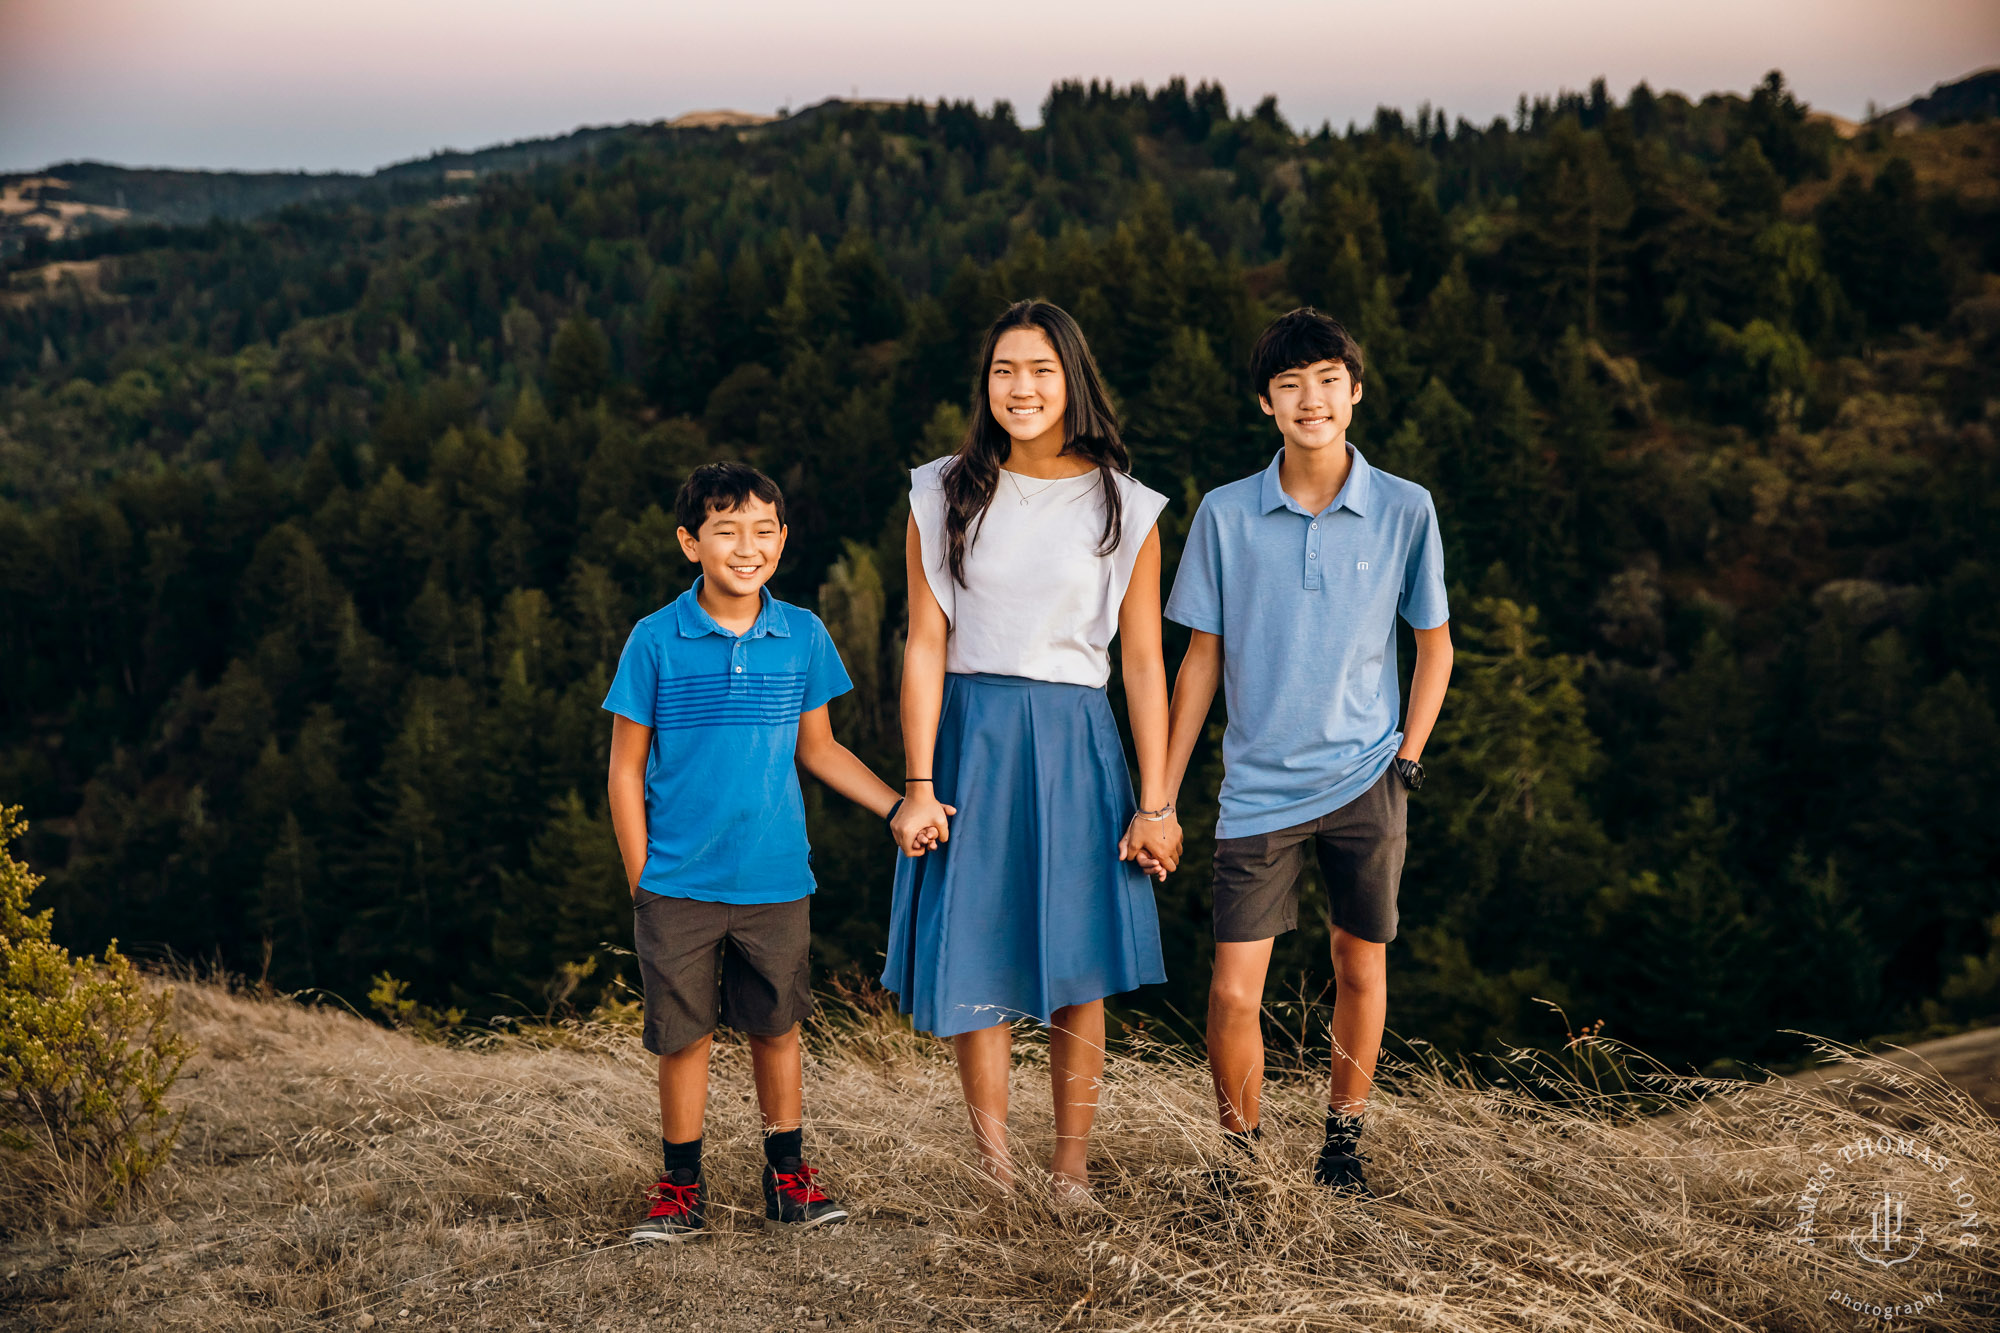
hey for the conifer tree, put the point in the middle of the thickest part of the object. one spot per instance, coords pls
(579, 363)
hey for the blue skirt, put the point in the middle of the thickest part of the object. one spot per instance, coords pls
(1027, 908)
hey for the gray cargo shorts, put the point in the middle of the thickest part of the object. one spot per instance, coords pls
(742, 963)
(1360, 848)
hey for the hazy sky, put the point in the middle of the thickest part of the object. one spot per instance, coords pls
(357, 84)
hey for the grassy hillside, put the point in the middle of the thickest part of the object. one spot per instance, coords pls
(333, 1174)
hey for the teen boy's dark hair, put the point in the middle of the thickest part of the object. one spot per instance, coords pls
(1301, 338)
(723, 487)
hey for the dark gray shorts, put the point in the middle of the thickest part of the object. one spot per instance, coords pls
(743, 962)
(1360, 848)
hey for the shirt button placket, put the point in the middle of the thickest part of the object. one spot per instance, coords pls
(1312, 555)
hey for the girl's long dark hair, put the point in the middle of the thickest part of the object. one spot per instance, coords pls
(1090, 430)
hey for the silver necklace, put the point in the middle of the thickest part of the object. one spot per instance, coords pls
(1025, 493)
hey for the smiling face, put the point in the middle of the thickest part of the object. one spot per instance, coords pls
(1312, 404)
(1025, 385)
(737, 549)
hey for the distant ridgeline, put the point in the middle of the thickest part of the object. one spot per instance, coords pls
(323, 517)
(79, 198)
(74, 199)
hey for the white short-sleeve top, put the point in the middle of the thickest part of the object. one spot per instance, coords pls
(1038, 600)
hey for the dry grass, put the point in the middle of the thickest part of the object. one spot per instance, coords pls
(332, 1173)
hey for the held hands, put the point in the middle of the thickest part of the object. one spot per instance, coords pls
(1154, 843)
(921, 822)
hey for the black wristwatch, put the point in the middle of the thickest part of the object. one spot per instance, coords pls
(1409, 772)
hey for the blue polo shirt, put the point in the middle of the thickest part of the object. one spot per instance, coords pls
(1306, 605)
(725, 822)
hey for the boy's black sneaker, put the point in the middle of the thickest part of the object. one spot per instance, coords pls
(791, 1198)
(1239, 1153)
(679, 1209)
(1341, 1173)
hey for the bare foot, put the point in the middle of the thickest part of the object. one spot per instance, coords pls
(1070, 1191)
(999, 1169)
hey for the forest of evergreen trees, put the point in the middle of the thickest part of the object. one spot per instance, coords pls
(319, 535)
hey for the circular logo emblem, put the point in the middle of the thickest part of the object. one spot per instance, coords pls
(1899, 1207)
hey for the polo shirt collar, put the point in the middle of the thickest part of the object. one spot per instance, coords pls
(1353, 495)
(695, 622)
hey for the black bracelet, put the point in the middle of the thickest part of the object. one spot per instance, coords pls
(890, 818)
(908, 781)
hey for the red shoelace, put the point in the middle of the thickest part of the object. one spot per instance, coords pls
(671, 1200)
(798, 1185)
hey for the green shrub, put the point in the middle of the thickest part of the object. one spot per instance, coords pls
(391, 999)
(87, 1054)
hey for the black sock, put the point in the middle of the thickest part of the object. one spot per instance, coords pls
(682, 1157)
(1244, 1140)
(784, 1149)
(1343, 1134)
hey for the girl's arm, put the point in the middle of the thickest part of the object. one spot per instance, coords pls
(1145, 675)
(627, 789)
(922, 820)
(834, 764)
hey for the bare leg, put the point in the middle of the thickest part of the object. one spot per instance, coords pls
(984, 1060)
(1236, 1030)
(1360, 1008)
(779, 1070)
(1076, 1072)
(684, 1091)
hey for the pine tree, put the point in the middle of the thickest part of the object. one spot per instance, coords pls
(1574, 205)
(1339, 248)
(579, 363)
(853, 602)
(1672, 964)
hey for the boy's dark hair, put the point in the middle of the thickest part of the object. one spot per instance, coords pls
(1301, 338)
(723, 487)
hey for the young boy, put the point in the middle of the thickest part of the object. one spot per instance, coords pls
(717, 694)
(1291, 581)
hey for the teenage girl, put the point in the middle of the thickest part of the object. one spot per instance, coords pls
(1028, 551)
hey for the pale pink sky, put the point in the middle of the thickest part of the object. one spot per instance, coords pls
(356, 84)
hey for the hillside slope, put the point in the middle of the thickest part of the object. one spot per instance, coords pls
(106, 194)
(70, 198)
(333, 1174)
(319, 536)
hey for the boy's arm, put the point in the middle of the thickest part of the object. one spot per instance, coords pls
(626, 786)
(1428, 681)
(1194, 692)
(834, 764)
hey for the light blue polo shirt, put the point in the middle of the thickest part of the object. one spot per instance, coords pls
(1306, 605)
(725, 822)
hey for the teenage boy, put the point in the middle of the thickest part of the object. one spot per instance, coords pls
(717, 694)
(1292, 581)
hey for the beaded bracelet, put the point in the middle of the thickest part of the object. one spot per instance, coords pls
(1158, 816)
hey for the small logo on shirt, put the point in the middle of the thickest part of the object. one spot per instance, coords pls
(1361, 564)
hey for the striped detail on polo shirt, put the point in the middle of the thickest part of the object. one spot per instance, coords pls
(753, 699)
